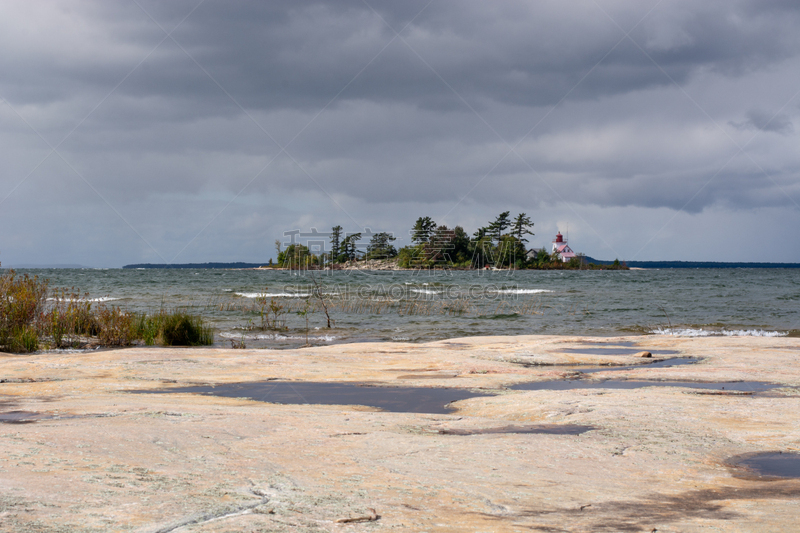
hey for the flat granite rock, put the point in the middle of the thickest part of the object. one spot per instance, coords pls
(81, 451)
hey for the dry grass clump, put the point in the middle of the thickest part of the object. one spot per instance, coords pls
(22, 299)
(29, 319)
(178, 328)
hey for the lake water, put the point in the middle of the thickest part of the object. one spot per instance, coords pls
(431, 305)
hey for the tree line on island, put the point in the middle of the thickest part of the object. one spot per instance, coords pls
(500, 244)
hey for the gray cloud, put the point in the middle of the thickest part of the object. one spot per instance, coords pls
(300, 53)
(384, 128)
(761, 120)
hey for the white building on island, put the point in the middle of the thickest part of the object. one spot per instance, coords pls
(560, 246)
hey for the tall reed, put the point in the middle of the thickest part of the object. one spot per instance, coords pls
(29, 319)
(22, 301)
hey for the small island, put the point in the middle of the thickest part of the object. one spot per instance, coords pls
(501, 245)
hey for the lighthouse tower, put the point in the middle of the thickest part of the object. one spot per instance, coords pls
(558, 242)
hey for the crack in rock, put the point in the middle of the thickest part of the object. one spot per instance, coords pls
(200, 518)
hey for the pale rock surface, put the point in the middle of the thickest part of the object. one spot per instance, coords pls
(110, 460)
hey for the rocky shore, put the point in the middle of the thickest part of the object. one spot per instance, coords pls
(371, 264)
(82, 451)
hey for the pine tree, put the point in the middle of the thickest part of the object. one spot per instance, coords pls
(349, 247)
(460, 243)
(423, 230)
(379, 246)
(521, 226)
(336, 237)
(500, 224)
(480, 233)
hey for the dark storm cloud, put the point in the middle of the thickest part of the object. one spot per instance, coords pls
(512, 52)
(272, 55)
(381, 124)
(761, 120)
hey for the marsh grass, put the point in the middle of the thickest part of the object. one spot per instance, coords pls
(67, 317)
(22, 300)
(31, 316)
(377, 306)
(174, 327)
(179, 328)
(117, 327)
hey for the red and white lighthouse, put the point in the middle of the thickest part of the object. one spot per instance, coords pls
(560, 246)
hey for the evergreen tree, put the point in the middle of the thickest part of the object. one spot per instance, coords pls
(542, 257)
(297, 256)
(440, 244)
(521, 226)
(460, 251)
(379, 246)
(480, 248)
(336, 237)
(423, 230)
(510, 252)
(500, 224)
(344, 249)
(349, 247)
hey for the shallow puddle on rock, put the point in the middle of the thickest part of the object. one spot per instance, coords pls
(746, 386)
(766, 465)
(427, 376)
(542, 429)
(647, 363)
(22, 417)
(664, 363)
(615, 350)
(627, 344)
(395, 399)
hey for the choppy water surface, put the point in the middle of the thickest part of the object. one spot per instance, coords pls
(424, 306)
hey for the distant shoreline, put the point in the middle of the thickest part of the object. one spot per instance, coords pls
(696, 264)
(196, 265)
(632, 264)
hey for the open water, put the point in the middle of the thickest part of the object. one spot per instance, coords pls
(431, 305)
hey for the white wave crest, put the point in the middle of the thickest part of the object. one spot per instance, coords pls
(521, 291)
(272, 295)
(425, 291)
(700, 332)
(274, 337)
(101, 299)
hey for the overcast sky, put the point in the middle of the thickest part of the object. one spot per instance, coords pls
(191, 131)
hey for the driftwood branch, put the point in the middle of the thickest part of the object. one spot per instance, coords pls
(370, 518)
(318, 292)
